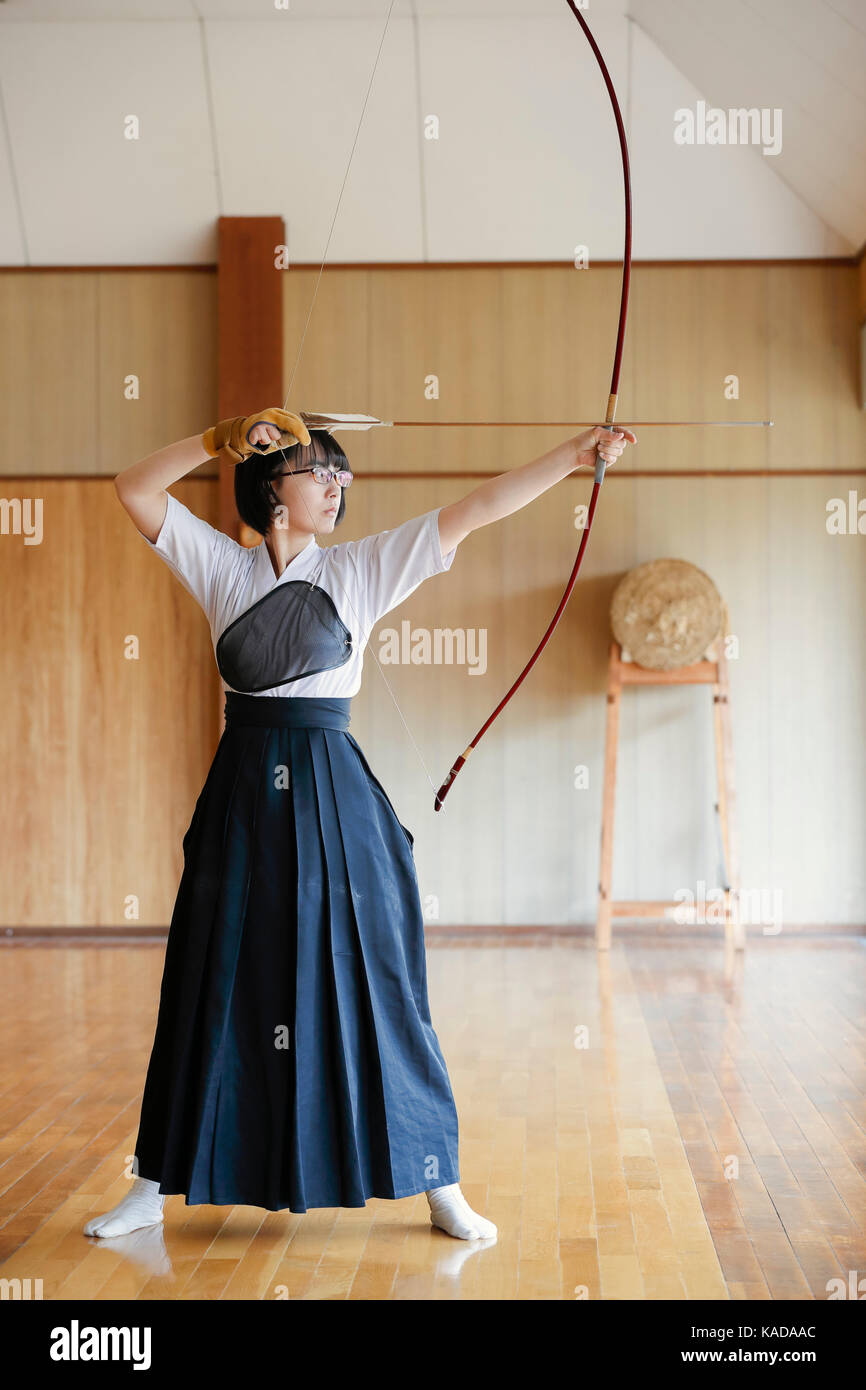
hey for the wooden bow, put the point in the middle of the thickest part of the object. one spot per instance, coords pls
(608, 420)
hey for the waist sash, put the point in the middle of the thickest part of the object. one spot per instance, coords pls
(288, 711)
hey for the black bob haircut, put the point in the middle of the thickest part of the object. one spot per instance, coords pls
(255, 498)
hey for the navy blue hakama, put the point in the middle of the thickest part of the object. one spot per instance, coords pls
(294, 1063)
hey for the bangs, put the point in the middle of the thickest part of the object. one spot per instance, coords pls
(322, 448)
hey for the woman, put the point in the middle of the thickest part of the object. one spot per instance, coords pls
(295, 1064)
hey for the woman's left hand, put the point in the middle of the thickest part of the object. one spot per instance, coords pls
(611, 442)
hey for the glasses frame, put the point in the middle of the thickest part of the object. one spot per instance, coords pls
(333, 473)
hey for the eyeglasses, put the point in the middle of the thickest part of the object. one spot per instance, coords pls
(322, 474)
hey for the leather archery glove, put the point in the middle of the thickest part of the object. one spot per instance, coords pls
(230, 439)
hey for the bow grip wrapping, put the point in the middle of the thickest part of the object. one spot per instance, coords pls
(609, 418)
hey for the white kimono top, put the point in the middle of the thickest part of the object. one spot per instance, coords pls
(364, 578)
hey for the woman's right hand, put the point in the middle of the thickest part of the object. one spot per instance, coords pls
(264, 434)
(237, 439)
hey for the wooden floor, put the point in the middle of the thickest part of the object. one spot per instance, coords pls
(704, 1139)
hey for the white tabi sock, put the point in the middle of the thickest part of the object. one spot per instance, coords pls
(450, 1211)
(140, 1207)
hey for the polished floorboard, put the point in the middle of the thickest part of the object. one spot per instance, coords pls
(668, 1121)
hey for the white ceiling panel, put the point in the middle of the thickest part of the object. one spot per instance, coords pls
(285, 134)
(821, 42)
(40, 11)
(89, 195)
(527, 163)
(245, 109)
(12, 244)
(854, 11)
(120, 10)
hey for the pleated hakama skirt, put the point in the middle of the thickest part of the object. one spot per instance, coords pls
(294, 1063)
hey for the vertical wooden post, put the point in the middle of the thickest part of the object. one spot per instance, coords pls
(614, 694)
(250, 328)
(861, 318)
(734, 927)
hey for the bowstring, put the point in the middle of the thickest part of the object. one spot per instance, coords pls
(337, 208)
(316, 532)
(360, 629)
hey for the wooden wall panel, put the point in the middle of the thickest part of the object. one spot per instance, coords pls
(103, 756)
(49, 372)
(67, 343)
(333, 372)
(103, 773)
(162, 327)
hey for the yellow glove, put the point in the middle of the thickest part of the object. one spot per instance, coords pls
(229, 440)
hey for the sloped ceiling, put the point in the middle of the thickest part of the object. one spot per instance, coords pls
(806, 59)
(246, 109)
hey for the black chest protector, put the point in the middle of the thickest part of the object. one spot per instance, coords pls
(294, 631)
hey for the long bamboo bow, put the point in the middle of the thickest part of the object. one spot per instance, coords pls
(608, 419)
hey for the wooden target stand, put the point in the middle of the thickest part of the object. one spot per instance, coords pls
(710, 671)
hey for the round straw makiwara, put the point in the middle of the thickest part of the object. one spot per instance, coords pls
(666, 614)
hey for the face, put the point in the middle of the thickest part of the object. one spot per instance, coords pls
(305, 505)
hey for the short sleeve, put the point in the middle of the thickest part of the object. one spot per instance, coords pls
(190, 548)
(389, 566)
